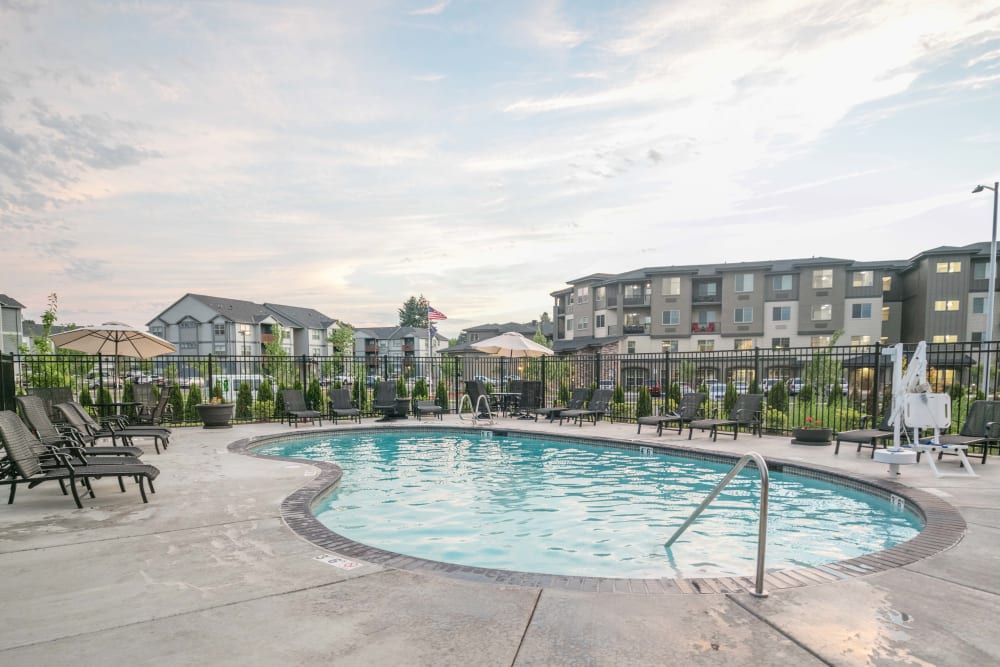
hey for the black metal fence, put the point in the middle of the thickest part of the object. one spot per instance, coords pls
(833, 386)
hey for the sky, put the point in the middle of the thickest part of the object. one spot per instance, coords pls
(346, 156)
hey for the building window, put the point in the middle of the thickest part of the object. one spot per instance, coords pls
(978, 304)
(219, 348)
(885, 313)
(599, 321)
(819, 341)
(822, 278)
(945, 338)
(949, 267)
(583, 323)
(863, 279)
(631, 347)
(582, 294)
(781, 313)
(977, 336)
(669, 346)
(569, 324)
(743, 315)
(744, 282)
(947, 305)
(189, 346)
(861, 340)
(861, 311)
(706, 345)
(671, 286)
(980, 270)
(886, 283)
(314, 334)
(706, 290)
(781, 283)
(743, 344)
(822, 313)
(156, 331)
(219, 329)
(671, 318)
(781, 343)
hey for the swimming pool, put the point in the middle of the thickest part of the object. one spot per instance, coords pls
(570, 507)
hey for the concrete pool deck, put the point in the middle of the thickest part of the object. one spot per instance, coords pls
(208, 573)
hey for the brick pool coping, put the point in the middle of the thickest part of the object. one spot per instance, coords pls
(943, 528)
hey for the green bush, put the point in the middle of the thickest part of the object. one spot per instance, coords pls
(218, 390)
(956, 391)
(401, 391)
(85, 399)
(359, 393)
(265, 394)
(176, 402)
(618, 394)
(777, 398)
(441, 395)
(128, 393)
(563, 393)
(836, 396)
(643, 403)
(674, 393)
(776, 420)
(806, 394)
(193, 399)
(314, 395)
(729, 400)
(244, 402)
(262, 410)
(279, 403)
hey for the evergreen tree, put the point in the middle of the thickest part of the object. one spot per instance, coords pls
(176, 402)
(401, 387)
(264, 392)
(643, 403)
(314, 396)
(729, 400)
(777, 398)
(244, 402)
(441, 395)
(414, 312)
(193, 399)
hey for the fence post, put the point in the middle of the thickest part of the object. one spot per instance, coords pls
(877, 387)
(303, 374)
(543, 400)
(207, 398)
(597, 368)
(7, 389)
(756, 367)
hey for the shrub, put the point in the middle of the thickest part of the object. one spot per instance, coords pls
(85, 399)
(314, 395)
(218, 391)
(956, 391)
(618, 394)
(563, 393)
(644, 403)
(177, 402)
(441, 395)
(775, 420)
(401, 391)
(806, 394)
(193, 399)
(244, 402)
(729, 400)
(262, 410)
(128, 393)
(420, 389)
(279, 403)
(777, 398)
(836, 396)
(265, 394)
(359, 393)
(674, 393)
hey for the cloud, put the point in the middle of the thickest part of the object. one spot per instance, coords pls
(431, 10)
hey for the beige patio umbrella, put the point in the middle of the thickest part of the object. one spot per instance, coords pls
(512, 345)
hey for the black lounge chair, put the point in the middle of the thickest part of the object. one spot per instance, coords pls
(596, 407)
(23, 465)
(981, 428)
(153, 410)
(867, 437)
(51, 397)
(531, 393)
(689, 409)
(68, 438)
(476, 389)
(78, 417)
(746, 412)
(385, 401)
(576, 400)
(296, 408)
(341, 406)
(429, 408)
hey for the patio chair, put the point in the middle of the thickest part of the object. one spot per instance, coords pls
(689, 409)
(22, 465)
(91, 430)
(341, 406)
(867, 437)
(429, 408)
(52, 396)
(68, 437)
(153, 410)
(296, 408)
(746, 412)
(476, 389)
(385, 401)
(981, 428)
(596, 407)
(531, 393)
(576, 400)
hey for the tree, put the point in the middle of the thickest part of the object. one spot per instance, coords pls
(244, 402)
(545, 317)
(414, 312)
(441, 395)
(643, 403)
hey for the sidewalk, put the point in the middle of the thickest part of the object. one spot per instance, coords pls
(208, 573)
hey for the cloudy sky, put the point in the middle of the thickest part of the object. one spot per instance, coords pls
(347, 155)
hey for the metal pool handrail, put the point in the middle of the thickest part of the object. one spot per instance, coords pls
(482, 406)
(762, 528)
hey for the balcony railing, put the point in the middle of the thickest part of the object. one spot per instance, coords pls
(636, 300)
(369, 349)
(636, 329)
(707, 327)
(706, 298)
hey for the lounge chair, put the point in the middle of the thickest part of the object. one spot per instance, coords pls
(596, 407)
(296, 408)
(385, 401)
(476, 389)
(576, 400)
(429, 408)
(981, 428)
(153, 410)
(867, 437)
(341, 406)
(689, 409)
(52, 396)
(23, 465)
(68, 438)
(746, 412)
(531, 393)
(78, 417)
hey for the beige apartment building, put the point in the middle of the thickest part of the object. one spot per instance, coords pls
(939, 296)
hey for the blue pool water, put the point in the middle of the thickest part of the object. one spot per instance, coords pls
(519, 503)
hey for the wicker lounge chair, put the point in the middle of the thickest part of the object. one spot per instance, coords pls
(596, 407)
(867, 437)
(153, 410)
(78, 417)
(296, 408)
(746, 412)
(576, 400)
(23, 465)
(340, 406)
(689, 409)
(69, 437)
(52, 396)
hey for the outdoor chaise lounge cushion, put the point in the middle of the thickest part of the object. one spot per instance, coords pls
(745, 412)
(296, 409)
(340, 405)
(688, 410)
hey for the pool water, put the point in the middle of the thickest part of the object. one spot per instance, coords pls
(521, 503)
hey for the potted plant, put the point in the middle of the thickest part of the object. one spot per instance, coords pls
(216, 414)
(812, 433)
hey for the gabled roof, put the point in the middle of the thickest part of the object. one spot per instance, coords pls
(394, 333)
(234, 309)
(8, 302)
(305, 318)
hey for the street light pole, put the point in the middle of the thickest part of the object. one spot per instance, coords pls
(991, 297)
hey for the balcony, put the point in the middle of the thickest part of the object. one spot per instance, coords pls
(371, 348)
(706, 327)
(635, 329)
(706, 298)
(636, 300)
(409, 347)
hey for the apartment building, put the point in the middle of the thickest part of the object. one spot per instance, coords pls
(480, 332)
(10, 324)
(406, 346)
(939, 296)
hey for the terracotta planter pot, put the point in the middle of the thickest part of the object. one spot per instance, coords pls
(216, 415)
(812, 436)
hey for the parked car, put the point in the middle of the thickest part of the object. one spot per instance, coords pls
(767, 384)
(716, 391)
(485, 380)
(654, 388)
(843, 387)
(371, 380)
(606, 384)
(741, 387)
(686, 389)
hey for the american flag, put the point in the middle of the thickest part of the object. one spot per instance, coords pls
(433, 314)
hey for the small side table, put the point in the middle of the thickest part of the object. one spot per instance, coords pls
(895, 458)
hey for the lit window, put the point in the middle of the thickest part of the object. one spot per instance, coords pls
(743, 344)
(671, 318)
(822, 313)
(949, 267)
(945, 338)
(978, 304)
(781, 343)
(781, 313)
(781, 283)
(819, 341)
(669, 346)
(671, 286)
(861, 340)
(885, 313)
(822, 278)
(744, 282)
(863, 279)
(861, 311)
(950, 304)
(743, 315)
(886, 283)
(706, 345)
